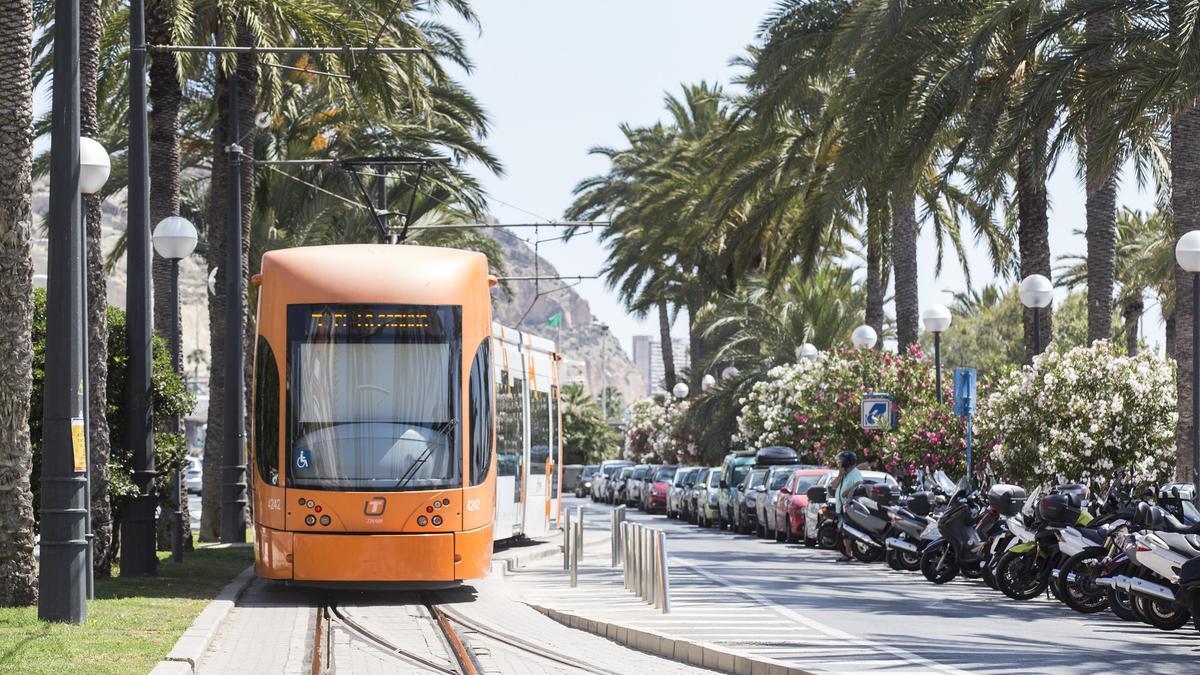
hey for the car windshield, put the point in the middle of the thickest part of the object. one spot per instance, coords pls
(714, 479)
(665, 475)
(589, 471)
(739, 474)
(756, 478)
(611, 469)
(803, 483)
(779, 479)
(625, 473)
(374, 397)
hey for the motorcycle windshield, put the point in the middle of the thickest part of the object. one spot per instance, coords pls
(1031, 502)
(943, 481)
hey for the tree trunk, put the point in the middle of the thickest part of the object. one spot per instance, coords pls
(1185, 205)
(1033, 239)
(1101, 207)
(18, 575)
(1169, 347)
(97, 302)
(876, 273)
(668, 352)
(697, 353)
(165, 95)
(247, 65)
(1133, 317)
(904, 265)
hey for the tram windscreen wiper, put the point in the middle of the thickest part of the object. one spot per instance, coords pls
(426, 451)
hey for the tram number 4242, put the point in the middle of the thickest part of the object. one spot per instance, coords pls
(473, 504)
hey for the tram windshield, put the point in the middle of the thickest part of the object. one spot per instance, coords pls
(374, 397)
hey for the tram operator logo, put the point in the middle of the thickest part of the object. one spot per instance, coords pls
(375, 506)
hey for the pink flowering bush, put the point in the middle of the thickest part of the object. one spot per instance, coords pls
(815, 408)
(655, 433)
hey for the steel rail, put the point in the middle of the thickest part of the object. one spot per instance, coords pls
(382, 642)
(515, 642)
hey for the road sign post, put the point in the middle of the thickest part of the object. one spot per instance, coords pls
(964, 405)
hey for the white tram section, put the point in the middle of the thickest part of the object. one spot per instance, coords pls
(527, 434)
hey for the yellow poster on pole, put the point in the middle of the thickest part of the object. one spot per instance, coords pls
(79, 444)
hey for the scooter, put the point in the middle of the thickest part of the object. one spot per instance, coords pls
(868, 522)
(967, 526)
(913, 529)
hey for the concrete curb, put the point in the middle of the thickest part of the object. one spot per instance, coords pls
(190, 647)
(699, 654)
(549, 549)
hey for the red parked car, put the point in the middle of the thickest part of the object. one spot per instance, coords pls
(791, 504)
(659, 486)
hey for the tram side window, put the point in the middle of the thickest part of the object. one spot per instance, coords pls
(510, 425)
(539, 430)
(266, 413)
(481, 413)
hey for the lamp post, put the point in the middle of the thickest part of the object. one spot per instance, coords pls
(1187, 254)
(174, 239)
(807, 351)
(937, 319)
(603, 370)
(864, 337)
(94, 169)
(62, 578)
(1036, 293)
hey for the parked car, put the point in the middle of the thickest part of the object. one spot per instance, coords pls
(643, 490)
(733, 471)
(792, 502)
(193, 476)
(602, 482)
(777, 477)
(708, 498)
(745, 516)
(635, 483)
(700, 482)
(570, 476)
(620, 486)
(657, 488)
(820, 511)
(583, 487)
(676, 498)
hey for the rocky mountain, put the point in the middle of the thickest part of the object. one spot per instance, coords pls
(596, 358)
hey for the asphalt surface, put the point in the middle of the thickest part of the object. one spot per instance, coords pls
(960, 625)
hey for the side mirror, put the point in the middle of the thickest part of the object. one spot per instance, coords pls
(761, 488)
(784, 491)
(724, 484)
(742, 488)
(817, 494)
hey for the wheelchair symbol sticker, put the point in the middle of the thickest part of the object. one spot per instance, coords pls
(303, 459)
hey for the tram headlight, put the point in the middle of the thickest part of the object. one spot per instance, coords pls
(422, 521)
(325, 520)
(437, 521)
(310, 520)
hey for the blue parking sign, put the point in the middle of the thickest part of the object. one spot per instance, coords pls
(878, 412)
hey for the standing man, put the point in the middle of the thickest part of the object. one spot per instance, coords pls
(844, 483)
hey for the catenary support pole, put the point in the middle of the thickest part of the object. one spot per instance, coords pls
(137, 527)
(233, 470)
(62, 573)
(1196, 386)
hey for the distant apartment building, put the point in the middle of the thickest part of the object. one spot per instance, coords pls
(647, 357)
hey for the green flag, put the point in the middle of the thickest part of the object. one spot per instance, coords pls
(555, 320)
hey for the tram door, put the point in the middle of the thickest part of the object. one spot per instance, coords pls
(541, 463)
(510, 435)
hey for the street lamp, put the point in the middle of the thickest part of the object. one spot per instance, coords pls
(864, 337)
(680, 390)
(807, 351)
(937, 319)
(174, 239)
(603, 327)
(94, 166)
(729, 372)
(1036, 293)
(1187, 254)
(707, 382)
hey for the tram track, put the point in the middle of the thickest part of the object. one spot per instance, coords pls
(469, 644)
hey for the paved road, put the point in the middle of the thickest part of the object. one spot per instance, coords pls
(962, 624)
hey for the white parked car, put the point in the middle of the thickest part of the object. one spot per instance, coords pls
(193, 475)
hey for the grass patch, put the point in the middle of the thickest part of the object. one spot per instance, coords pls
(131, 624)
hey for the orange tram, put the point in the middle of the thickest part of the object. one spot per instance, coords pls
(395, 431)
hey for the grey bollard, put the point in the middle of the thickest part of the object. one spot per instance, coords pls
(664, 574)
(579, 519)
(647, 565)
(566, 545)
(624, 532)
(575, 551)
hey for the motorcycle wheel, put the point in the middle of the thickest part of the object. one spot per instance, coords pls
(908, 560)
(938, 564)
(1160, 613)
(760, 531)
(1083, 595)
(1020, 577)
(972, 571)
(890, 559)
(864, 552)
(827, 536)
(989, 576)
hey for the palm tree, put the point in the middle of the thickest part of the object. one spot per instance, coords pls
(18, 576)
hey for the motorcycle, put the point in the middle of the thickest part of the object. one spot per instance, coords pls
(967, 527)
(868, 523)
(1023, 571)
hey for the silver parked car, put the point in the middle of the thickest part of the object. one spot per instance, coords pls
(193, 475)
(677, 505)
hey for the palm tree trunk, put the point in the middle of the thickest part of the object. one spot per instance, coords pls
(210, 495)
(904, 265)
(1185, 204)
(1101, 208)
(18, 576)
(247, 65)
(1033, 239)
(1133, 317)
(1169, 347)
(876, 275)
(165, 94)
(97, 302)
(668, 351)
